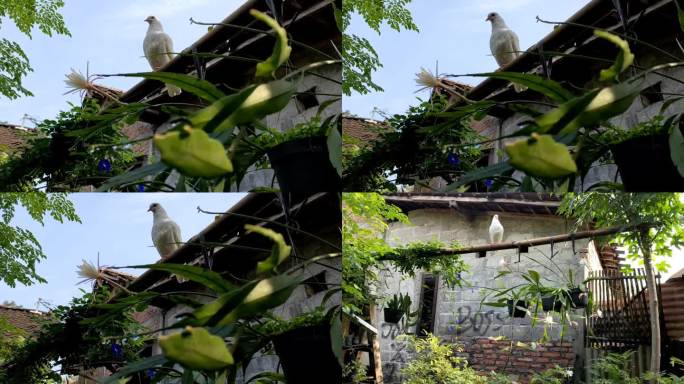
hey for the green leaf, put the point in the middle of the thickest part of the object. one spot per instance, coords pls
(548, 88)
(498, 304)
(132, 176)
(193, 153)
(209, 279)
(335, 149)
(137, 366)
(624, 59)
(541, 156)
(594, 107)
(281, 251)
(266, 294)
(271, 376)
(281, 50)
(336, 338)
(479, 174)
(196, 348)
(262, 101)
(534, 275)
(677, 148)
(191, 84)
(680, 14)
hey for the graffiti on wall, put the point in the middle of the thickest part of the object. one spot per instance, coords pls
(476, 322)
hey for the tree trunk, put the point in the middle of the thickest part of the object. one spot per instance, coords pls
(645, 245)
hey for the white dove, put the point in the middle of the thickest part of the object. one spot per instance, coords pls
(496, 230)
(503, 43)
(158, 48)
(166, 234)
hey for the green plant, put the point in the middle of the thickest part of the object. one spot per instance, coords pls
(26, 15)
(654, 228)
(277, 326)
(355, 372)
(20, 251)
(312, 128)
(436, 363)
(556, 375)
(360, 58)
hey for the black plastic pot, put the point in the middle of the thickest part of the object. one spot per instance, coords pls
(579, 298)
(393, 315)
(303, 166)
(514, 311)
(306, 355)
(646, 166)
(552, 303)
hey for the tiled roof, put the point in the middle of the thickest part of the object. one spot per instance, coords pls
(25, 319)
(360, 131)
(13, 137)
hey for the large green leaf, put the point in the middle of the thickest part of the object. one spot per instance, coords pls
(335, 149)
(266, 294)
(133, 176)
(592, 108)
(479, 174)
(209, 279)
(199, 87)
(548, 88)
(624, 59)
(281, 50)
(193, 153)
(680, 14)
(137, 366)
(280, 252)
(541, 156)
(196, 348)
(262, 101)
(677, 148)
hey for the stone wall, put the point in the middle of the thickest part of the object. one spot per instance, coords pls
(459, 315)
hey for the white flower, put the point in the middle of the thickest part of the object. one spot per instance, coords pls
(548, 320)
(503, 263)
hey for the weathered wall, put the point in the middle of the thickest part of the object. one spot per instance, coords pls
(458, 314)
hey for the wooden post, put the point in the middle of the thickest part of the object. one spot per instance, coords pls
(375, 342)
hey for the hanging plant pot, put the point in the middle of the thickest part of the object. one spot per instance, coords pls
(552, 303)
(579, 298)
(306, 355)
(393, 315)
(303, 166)
(646, 166)
(514, 311)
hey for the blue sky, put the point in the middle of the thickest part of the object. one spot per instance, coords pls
(453, 34)
(117, 225)
(109, 35)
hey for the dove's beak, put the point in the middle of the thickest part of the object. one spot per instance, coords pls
(149, 209)
(489, 18)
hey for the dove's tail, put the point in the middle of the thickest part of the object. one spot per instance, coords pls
(172, 90)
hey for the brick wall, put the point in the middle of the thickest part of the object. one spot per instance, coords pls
(490, 355)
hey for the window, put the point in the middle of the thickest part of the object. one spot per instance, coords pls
(307, 99)
(428, 301)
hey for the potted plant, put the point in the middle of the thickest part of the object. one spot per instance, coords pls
(397, 307)
(517, 308)
(578, 298)
(301, 156)
(652, 137)
(310, 333)
(552, 303)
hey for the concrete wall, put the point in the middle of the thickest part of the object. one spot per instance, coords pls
(458, 315)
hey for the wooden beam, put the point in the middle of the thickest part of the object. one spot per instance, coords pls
(527, 243)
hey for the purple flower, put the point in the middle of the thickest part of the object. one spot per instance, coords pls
(104, 165)
(488, 183)
(150, 373)
(117, 351)
(453, 159)
(140, 188)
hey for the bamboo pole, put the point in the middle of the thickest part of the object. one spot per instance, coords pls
(524, 243)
